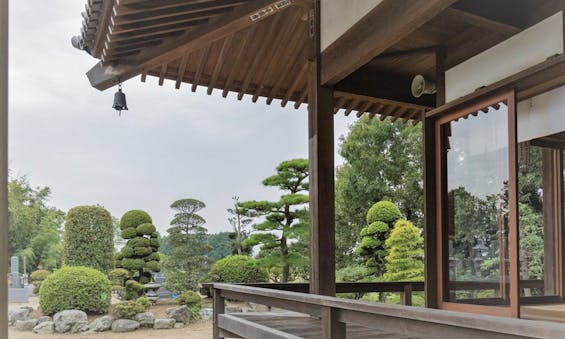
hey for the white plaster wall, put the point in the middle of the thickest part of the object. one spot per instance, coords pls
(525, 49)
(337, 16)
(541, 115)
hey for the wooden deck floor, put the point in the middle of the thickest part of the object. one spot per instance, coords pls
(295, 325)
(551, 312)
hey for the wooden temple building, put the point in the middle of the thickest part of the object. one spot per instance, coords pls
(484, 78)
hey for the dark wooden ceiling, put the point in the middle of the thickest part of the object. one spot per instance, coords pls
(268, 58)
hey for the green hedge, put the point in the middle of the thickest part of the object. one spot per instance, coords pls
(238, 269)
(81, 288)
(89, 238)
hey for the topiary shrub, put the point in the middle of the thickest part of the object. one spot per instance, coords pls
(89, 238)
(118, 276)
(81, 288)
(139, 255)
(37, 278)
(405, 261)
(384, 211)
(238, 269)
(380, 219)
(133, 289)
(193, 301)
(128, 309)
(145, 302)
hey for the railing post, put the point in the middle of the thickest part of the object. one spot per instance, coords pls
(219, 308)
(332, 328)
(406, 296)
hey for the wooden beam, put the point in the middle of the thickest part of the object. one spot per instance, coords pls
(4, 168)
(219, 64)
(321, 174)
(239, 58)
(219, 308)
(162, 74)
(203, 58)
(106, 76)
(182, 70)
(385, 25)
(303, 72)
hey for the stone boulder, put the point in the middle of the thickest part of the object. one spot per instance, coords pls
(145, 319)
(180, 314)
(73, 321)
(26, 325)
(234, 309)
(44, 319)
(163, 324)
(179, 325)
(124, 325)
(206, 313)
(101, 324)
(22, 314)
(46, 327)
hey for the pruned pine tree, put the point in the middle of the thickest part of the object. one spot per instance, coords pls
(405, 259)
(240, 222)
(284, 223)
(187, 236)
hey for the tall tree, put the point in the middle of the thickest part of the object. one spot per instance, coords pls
(221, 245)
(187, 236)
(405, 259)
(284, 223)
(240, 223)
(34, 227)
(382, 161)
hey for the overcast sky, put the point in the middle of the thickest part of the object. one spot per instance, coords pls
(171, 144)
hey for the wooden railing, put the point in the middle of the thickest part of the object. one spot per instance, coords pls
(334, 313)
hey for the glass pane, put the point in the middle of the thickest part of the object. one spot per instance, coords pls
(538, 182)
(475, 168)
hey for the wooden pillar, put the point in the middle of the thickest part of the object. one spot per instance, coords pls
(332, 328)
(219, 308)
(3, 168)
(321, 174)
(430, 204)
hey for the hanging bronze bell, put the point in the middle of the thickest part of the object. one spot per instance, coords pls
(120, 101)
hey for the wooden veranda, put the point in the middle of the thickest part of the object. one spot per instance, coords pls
(498, 68)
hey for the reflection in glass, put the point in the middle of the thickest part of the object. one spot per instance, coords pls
(475, 174)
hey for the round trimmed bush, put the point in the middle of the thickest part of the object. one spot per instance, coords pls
(75, 287)
(384, 211)
(153, 257)
(375, 228)
(145, 229)
(118, 276)
(143, 251)
(127, 252)
(128, 309)
(133, 264)
(39, 275)
(154, 242)
(193, 301)
(155, 235)
(133, 289)
(129, 233)
(238, 269)
(138, 242)
(153, 266)
(134, 218)
(145, 302)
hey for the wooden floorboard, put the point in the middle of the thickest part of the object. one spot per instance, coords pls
(306, 327)
(551, 312)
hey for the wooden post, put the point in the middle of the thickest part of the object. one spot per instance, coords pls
(406, 296)
(3, 168)
(321, 176)
(219, 308)
(331, 327)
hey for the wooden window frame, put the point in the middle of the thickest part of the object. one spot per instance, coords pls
(513, 310)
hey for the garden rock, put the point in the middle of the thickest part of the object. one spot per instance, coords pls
(179, 325)
(180, 314)
(73, 321)
(22, 314)
(124, 325)
(163, 324)
(44, 319)
(25, 325)
(233, 309)
(257, 308)
(102, 324)
(145, 319)
(46, 327)
(206, 313)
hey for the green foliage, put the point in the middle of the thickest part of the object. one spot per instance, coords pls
(129, 233)
(139, 255)
(89, 238)
(238, 269)
(145, 302)
(381, 217)
(81, 288)
(282, 231)
(145, 229)
(382, 161)
(37, 278)
(383, 211)
(406, 253)
(128, 309)
(188, 262)
(134, 218)
(351, 274)
(133, 289)
(34, 228)
(240, 222)
(118, 276)
(193, 301)
(220, 246)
